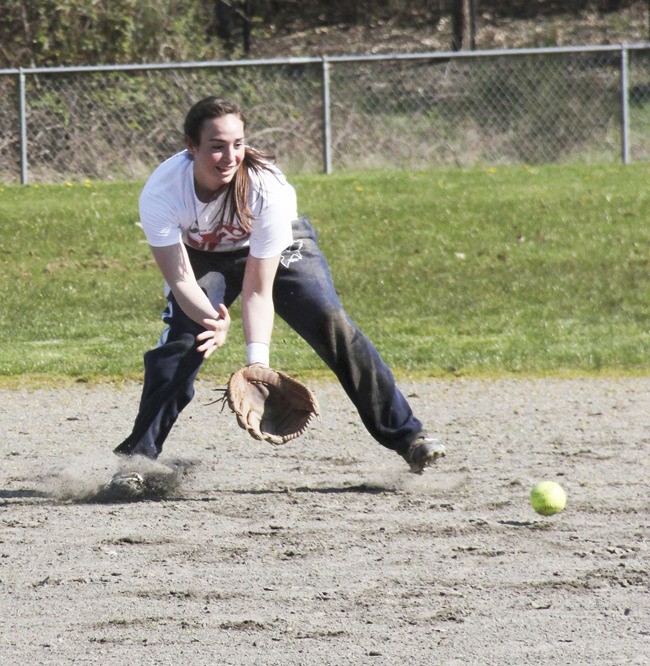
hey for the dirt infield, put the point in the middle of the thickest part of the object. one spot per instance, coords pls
(326, 550)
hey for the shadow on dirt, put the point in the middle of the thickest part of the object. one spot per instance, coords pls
(330, 490)
(22, 494)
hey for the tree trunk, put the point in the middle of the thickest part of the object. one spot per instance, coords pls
(233, 18)
(225, 19)
(461, 20)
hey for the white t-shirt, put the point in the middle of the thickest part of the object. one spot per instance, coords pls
(170, 212)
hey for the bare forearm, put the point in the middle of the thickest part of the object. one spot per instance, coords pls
(193, 301)
(177, 271)
(257, 318)
(257, 308)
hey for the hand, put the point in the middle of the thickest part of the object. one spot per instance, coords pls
(216, 332)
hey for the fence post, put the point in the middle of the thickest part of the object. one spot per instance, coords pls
(625, 118)
(327, 156)
(23, 126)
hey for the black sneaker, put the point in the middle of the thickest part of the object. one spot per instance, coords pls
(423, 452)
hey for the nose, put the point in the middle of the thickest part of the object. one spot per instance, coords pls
(229, 154)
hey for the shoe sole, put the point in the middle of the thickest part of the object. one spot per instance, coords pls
(420, 466)
(129, 483)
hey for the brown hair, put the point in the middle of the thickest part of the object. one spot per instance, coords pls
(236, 199)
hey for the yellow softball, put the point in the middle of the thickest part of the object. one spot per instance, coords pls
(547, 498)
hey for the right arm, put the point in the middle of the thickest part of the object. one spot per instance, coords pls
(174, 264)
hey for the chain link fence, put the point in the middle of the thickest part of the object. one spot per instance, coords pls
(406, 111)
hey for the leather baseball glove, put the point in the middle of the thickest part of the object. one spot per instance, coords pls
(270, 405)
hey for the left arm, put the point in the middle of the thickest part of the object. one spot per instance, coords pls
(257, 301)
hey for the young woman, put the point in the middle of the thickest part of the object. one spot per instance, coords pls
(222, 220)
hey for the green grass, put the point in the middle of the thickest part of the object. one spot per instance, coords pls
(535, 271)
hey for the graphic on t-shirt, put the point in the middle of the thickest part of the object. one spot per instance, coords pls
(221, 233)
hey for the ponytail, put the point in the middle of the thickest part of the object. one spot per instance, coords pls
(237, 193)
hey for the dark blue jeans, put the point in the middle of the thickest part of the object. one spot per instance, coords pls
(304, 296)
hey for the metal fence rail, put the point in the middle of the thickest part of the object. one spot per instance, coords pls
(527, 106)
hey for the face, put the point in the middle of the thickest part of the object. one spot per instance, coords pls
(218, 155)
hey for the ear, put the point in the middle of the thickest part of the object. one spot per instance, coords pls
(191, 148)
